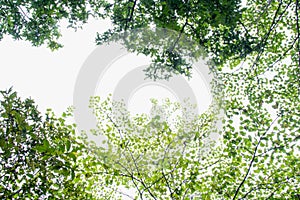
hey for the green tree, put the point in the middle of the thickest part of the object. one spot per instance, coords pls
(173, 157)
(160, 156)
(255, 49)
(208, 23)
(40, 157)
(262, 106)
(213, 25)
(260, 82)
(231, 33)
(38, 21)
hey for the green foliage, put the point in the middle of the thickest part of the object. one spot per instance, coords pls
(161, 156)
(231, 34)
(255, 49)
(38, 21)
(39, 156)
(171, 156)
(166, 156)
(213, 25)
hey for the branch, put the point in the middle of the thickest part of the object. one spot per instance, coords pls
(264, 11)
(131, 14)
(274, 23)
(116, 190)
(167, 182)
(246, 30)
(179, 36)
(169, 173)
(298, 36)
(284, 54)
(163, 174)
(182, 29)
(253, 158)
(262, 44)
(25, 16)
(133, 159)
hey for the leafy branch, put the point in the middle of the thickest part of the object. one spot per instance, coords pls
(252, 160)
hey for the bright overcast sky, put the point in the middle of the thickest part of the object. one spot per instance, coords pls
(49, 77)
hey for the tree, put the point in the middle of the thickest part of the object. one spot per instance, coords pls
(255, 49)
(173, 157)
(260, 82)
(262, 99)
(212, 25)
(228, 31)
(163, 156)
(39, 21)
(40, 157)
(160, 157)
(208, 23)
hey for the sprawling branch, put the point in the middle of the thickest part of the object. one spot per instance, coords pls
(134, 161)
(273, 25)
(252, 160)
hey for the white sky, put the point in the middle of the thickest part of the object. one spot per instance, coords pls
(49, 77)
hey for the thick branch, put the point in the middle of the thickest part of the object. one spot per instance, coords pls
(130, 14)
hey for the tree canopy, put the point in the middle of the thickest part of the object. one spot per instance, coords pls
(39, 21)
(40, 156)
(255, 52)
(229, 31)
(172, 155)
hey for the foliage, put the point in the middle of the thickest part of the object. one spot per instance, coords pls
(261, 88)
(255, 49)
(38, 21)
(262, 106)
(170, 156)
(39, 156)
(161, 156)
(213, 25)
(229, 32)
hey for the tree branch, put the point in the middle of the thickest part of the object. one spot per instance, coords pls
(133, 159)
(298, 36)
(130, 14)
(253, 158)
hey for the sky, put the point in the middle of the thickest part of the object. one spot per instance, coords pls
(49, 77)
